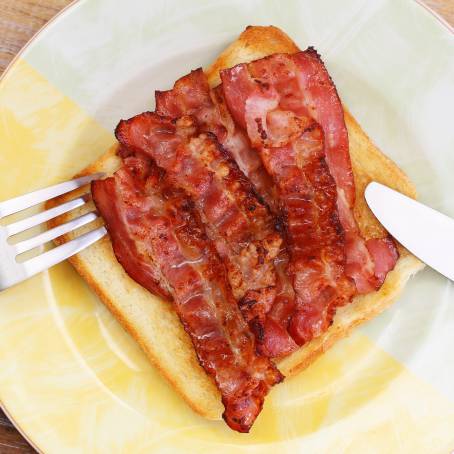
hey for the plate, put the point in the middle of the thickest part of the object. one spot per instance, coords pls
(73, 381)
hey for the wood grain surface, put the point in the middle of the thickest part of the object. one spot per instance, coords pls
(19, 21)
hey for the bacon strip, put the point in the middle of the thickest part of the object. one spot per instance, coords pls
(162, 232)
(302, 88)
(191, 95)
(291, 146)
(235, 219)
(308, 197)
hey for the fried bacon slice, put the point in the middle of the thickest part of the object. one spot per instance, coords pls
(235, 219)
(160, 241)
(308, 197)
(291, 146)
(289, 89)
(191, 95)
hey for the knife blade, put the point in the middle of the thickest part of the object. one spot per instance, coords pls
(425, 232)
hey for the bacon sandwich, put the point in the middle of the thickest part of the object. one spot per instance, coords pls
(240, 245)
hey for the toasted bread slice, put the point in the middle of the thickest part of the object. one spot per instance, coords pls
(152, 322)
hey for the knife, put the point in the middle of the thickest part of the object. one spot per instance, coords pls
(425, 232)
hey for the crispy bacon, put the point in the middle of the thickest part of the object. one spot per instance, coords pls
(236, 220)
(368, 262)
(294, 88)
(132, 255)
(191, 95)
(154, 227)
(291, 146)
(292, 149)
(308, 196)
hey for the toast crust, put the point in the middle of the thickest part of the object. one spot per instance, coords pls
(146, 317)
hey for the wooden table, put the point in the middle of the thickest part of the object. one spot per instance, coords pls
(19, 21)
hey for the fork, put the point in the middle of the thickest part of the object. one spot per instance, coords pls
(13, 272)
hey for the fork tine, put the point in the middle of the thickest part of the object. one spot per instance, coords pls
(34, 198)
(58, 254)
(32, 221)
(49, 235)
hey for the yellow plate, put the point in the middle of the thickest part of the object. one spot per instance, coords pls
(73, 381)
